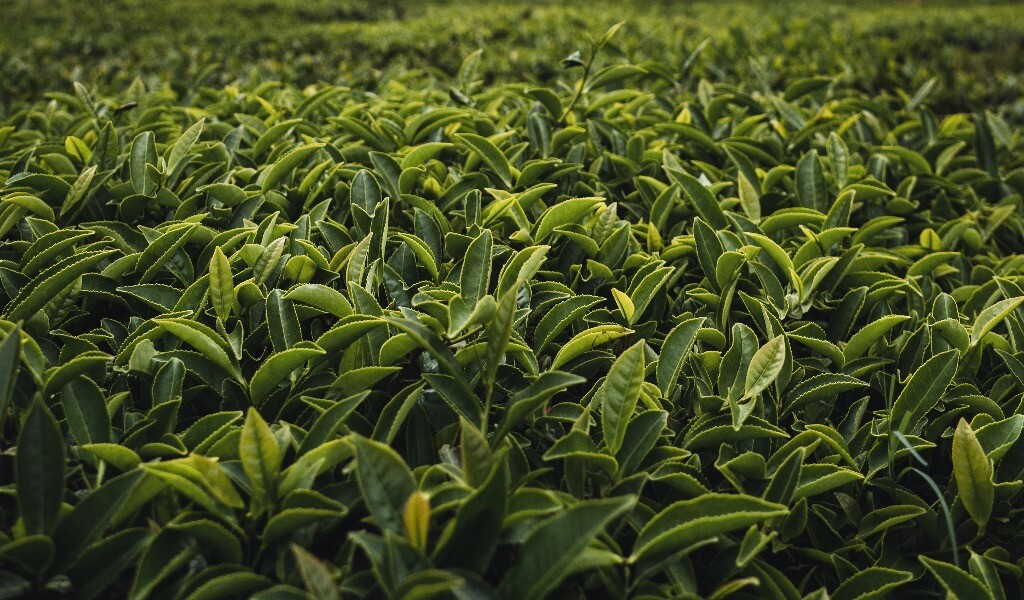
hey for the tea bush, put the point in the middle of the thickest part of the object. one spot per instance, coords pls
(638, 329)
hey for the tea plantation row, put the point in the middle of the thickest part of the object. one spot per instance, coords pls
(640, 329)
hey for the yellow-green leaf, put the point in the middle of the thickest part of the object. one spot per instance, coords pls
(973, 473)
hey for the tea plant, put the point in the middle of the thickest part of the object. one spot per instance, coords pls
(625, 338)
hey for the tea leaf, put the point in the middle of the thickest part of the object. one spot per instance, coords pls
(973, 474)
(957, 582)
(620, 393)
(222, 285)
(40, 470)
(261, 457)
(385, 483)
(546, 554)
(765, 366)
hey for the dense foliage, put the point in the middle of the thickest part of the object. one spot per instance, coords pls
(636, 330)
(974, 49)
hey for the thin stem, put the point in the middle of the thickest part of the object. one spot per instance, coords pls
(582, 84)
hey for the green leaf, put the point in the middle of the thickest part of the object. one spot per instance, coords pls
(363, 378)
(735, 362)
(563, 213)
(750, 199)
(181, 148)
(817, 479)
(873, 583)
(395, 412)
(984, 569)
(560, 317)
(521, 268)
(984, 146)
(416, 520)
(316, 575)
(346, 331)
(777, 254)
(143, 153)
(473, 538)
(546, 554)
(765, 366)
(490, 154)
(619, 395)
(278, 367)
(33, 553)
(159, 561)
(957, 582)
(992, 316)
(32, 204)
(79, 190)
(587, 340)
(690, 521)
(39, 470)
(269, 259)
(705, 202)
(923, 390)
(804, 86)
(202, 338)
(285, 523)
(159, 253)
(475, 277)
(422, 153)
(321, 297)
(786, 478)
(999, 436)
(103, 561)
(883, 518)
(641, 437)
(241, 582)
(527, 400)
(102, 508)
(222, 285)
(385, 482)
(57, 377)
(427, 339)
(475, 453)
(261, 458)
(810, 182)
(50, 282)
(928, 263)
(626, 306)
(329, 422)
(673, 354)
(866, 337)
(286, 164)
(973, 473)
(86, 412)
(121, 458)
(499, 332)
(820, 388)
(10, 363)
(422, 252)
(642, 293)
(313, 463)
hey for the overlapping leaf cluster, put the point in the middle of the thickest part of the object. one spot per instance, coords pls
(618, 341)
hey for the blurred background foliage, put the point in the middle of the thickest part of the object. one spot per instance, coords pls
(975, 49)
